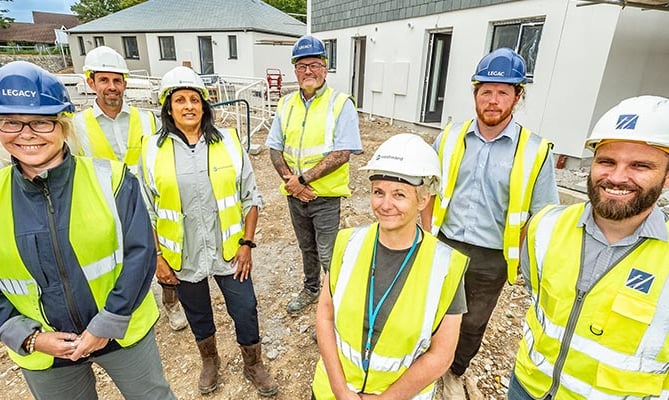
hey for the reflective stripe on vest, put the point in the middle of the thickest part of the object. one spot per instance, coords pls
(225, 171)
(97, 246)
(613, 343)
(141, 123)
(434, 283)
(531, 153)
(309, 137)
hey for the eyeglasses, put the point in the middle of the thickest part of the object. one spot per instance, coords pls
(37, 125)
(313, 67)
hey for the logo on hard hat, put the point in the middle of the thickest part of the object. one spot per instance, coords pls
(304, 46)
(495, 73)
(390, 157)
(627, 121)
(19, 93)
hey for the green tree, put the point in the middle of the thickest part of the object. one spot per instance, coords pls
(88, 10)
(296, 8)
(5, 22)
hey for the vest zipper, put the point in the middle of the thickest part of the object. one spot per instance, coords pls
(299, 152)
(44, 188)
(566, 342)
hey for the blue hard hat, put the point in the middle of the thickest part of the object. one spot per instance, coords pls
(501, 66)
(308, 46)
(26, 88)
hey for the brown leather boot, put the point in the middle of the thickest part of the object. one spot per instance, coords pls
(255, 371)
(211, 362)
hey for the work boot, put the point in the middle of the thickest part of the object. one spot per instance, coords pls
(211, 362)
(255, 371)
(453, 386)
(302, 300)
(175, 314)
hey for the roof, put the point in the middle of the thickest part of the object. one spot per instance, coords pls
(196, 16)
(662, 5)
(66, 20)
(23, 32)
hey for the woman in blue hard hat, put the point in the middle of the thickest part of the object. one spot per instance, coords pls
(202, 197)
(389, 318)
(77, 254)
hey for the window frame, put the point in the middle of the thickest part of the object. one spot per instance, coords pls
(233, 52)
(126, 54)
(82, 46)
(99, 41)
(519, 44)
(331, 54)
(163, 55)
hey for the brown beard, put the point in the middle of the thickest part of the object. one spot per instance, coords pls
(617, 211)
(495, 120)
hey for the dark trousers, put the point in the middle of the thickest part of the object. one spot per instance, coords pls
(316, 224)
(240, 301)
(484, 280)
(517, 392)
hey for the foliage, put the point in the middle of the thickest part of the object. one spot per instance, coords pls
(296, 8)
(5, 22)
(88, 10)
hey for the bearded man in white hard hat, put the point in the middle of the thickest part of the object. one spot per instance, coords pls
(598, 271)
(112, 129)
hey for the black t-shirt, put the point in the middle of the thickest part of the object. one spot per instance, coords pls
(388, 262)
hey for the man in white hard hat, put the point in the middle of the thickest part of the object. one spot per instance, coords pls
(495, 173)
(598, 272)
(112, 129)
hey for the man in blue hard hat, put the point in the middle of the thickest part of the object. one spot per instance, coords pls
(313, 134)
(495, 174)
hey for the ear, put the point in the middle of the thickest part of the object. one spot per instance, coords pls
(91, 83)
(423, 199)
(666, 180)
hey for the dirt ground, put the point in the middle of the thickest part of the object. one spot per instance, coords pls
(289, 351)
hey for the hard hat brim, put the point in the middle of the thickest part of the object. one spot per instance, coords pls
(32, 110)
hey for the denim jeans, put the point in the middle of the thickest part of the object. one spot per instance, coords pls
(136, 370)
(516, 391)
(240, 301)
(316, 224)
(484, 280)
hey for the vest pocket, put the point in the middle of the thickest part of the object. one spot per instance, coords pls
(631, 315)
(628, 383)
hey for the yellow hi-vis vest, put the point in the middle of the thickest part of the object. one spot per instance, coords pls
(422, 304)
(531, 153)
(611, 342)
(309, 137)
(97, 240)
(225, 171)
(141, 123)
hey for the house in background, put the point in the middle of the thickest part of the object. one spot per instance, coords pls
(225, 37)
(412, 60)
(38, 33)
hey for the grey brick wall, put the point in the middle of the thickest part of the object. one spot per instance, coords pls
(329, 15)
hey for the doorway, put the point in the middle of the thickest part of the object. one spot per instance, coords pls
(435, 77)
(358, 78)
(206, 55)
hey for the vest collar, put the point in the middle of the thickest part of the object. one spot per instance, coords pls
(653, 227)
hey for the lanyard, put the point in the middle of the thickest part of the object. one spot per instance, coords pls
(372, 311)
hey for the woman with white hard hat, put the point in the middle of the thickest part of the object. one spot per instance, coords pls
(77, 255)
(203, 201)
(390, 321)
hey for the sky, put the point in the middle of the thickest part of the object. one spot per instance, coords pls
(21, 10)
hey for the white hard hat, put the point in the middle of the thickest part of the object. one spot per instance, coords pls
(104, 59)
(639, 119)
(406, 156)
(181, 78)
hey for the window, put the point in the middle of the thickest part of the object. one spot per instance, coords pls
(99, 41)
(523, 37)
(167, 51)
(130, 47)
(82, 46)
(232, 47)
(331, 53)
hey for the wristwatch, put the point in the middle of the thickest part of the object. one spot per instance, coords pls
(301, 180)
(244, 242)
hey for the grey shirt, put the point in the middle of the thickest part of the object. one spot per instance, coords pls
(202, 248)
(599, 256)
